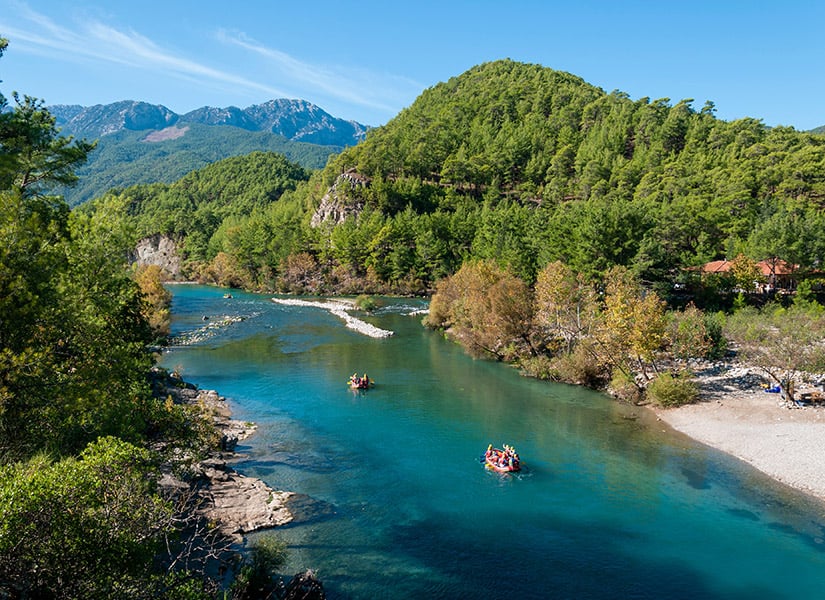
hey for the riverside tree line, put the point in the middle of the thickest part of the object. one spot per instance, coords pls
(82, 435)
(552, 221)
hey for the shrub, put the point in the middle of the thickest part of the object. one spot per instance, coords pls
(366, 303)
(80, 527)
(581, 368)
(624, 388)
(714, 328)
(669, 390)
(257, 575)
(540, 367)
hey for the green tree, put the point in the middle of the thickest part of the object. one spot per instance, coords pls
(687, 334)
(33, 157)
(41, 361)
(85, 527)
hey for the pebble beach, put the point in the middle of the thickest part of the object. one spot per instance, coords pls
(735, 415)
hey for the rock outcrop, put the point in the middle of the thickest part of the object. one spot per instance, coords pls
(159, 250)
(338, 203)
(235, 503)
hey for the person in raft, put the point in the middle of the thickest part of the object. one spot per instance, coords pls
(502, 458)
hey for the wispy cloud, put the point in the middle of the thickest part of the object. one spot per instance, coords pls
(96, 41)
(92, 40)
(355, 86)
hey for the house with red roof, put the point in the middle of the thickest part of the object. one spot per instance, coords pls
(777, 274)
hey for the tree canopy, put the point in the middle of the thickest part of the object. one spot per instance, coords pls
(80, 512)
(523, 165)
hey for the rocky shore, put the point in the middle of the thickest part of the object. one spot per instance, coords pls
(736, 415)
(340, 308)
(235, 503)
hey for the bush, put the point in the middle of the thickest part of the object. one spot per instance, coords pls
(540, 367)
(366, 303)
(669, 390)
(579, 367)
(80, 527)
(624, 388)
(714, 328)
(257, 576)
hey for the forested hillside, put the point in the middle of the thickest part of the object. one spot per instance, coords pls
(598, 179)
(204, 209)
(134, 157)
(525, 165)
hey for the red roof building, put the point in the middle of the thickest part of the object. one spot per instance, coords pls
(776, 272)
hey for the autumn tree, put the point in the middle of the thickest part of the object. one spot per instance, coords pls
(489, 310)
(632, 324)
(566, 306)
(156, 299)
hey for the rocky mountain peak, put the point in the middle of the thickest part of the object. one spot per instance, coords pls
(296, 120)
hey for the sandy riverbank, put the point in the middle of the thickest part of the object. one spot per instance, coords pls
(737, 416)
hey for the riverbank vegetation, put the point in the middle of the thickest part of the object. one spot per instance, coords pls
(615, 333)
(83, 435)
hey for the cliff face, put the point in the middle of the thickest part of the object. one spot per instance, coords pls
(159, 250)
(341, 200)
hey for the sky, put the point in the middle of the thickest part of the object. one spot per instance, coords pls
(366, 61)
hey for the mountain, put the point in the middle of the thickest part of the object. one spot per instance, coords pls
(128, 157)
(145, 143)
(296, 120)
(106, 119)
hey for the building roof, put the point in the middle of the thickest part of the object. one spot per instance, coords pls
(716, 266)
(772, 266)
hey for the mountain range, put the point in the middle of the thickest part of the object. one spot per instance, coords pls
(296, 120)
(138, 142)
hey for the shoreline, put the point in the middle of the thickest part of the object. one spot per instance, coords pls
(736, 416)
(733, 415)
(237, 504)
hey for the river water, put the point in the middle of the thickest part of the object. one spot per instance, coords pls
(611, 504)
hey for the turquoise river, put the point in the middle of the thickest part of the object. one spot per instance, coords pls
(611, 504)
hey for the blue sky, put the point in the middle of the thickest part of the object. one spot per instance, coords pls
(366, 61)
